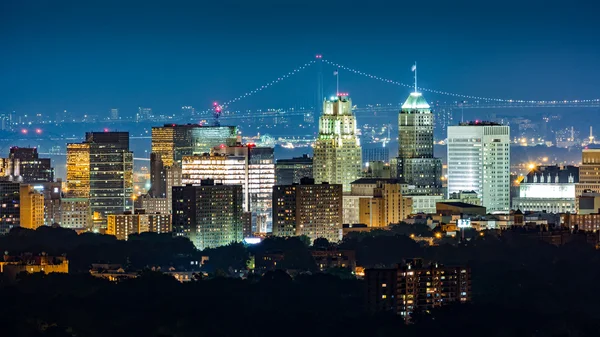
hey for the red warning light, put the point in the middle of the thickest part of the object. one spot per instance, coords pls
(24, 131)
(222, 146)
(105, 129)
(38, 131)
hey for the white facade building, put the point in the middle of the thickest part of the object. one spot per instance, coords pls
(479, 160)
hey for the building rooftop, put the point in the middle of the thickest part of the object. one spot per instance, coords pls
(459, 204)
(376, 180)
(415, 101)
(563, 173)
(479, 123)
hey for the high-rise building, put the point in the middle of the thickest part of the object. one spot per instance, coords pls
(31, 207)
(290, 171)
(413, 286)
(24, 165)
(375, 154)
(188, 111)
(479, 161)
(78, 170)
(249, 166)
(415, 163)
(548, 189)
(101, 169)
(376, 202)
(75, 213)
(10, 215)
(128, 223)
(52, 192)
(337, 153)
(209, 215)
(589, 173)
(114, 114)
(152, 205)
(310, 209)
(171, 142)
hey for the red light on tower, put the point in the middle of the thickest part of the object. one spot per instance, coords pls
(24, 131)
(105, 129)
(38, 131)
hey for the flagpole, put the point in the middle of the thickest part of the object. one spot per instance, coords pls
(415, 76)
(337, 78)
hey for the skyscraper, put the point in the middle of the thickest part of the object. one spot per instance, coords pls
(589, 176)
(209, 215)
(416, 164)
(249, 166)
(171, 142)
(114, 114)
(143, 114)
(101, 169)
(290, 171)
(9, 198)
(32, 207)
(337, 153)
(479, 160)
(24, 165)
(310, 209)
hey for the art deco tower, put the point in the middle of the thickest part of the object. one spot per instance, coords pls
(416, 164)
(337, 153)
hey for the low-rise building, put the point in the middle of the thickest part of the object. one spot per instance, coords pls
(11, 266)
(414, 286)
(123, 225)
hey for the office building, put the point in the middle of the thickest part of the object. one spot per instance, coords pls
(378, 169)
(386, 206)
(24, 165)
(10, 216)
(548, 189)
(114, 114)
(75, 213)
(337, 153)
(415, 163)
(310, 209)
(376, 202)
(381, 154)
(101, 169)
(589, 203)
(589, 173)
(249, 166)
(414, 286)
(128, 223)
(479, 161)
(290, 171)
(209, 215)
(152, 205)
(171, 142)
(31, 207)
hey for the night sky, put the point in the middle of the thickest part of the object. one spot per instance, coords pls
(89, 56)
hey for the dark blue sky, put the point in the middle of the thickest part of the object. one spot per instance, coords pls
(89, 56)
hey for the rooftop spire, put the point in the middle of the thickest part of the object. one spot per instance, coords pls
(414, 69)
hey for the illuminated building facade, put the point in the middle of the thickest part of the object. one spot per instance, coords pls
(10, 214)
(589, 173)
(548, 188)
(171, 142)
(479, 161)
(75, 213)
(415, 163)
(78, 170)
(337, 153)
(290, 171)
(152, 205)
(376, 202)
(310, 209)
(249, 166)
(123, 225)
(104, 173)
(24, 165)
(209, 215)
(413, 286)
(31, 207)
(13, 266)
